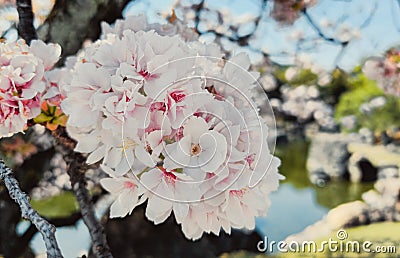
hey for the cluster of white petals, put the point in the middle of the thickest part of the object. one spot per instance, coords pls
(139, 22)
(22, 81)
(174, 125)
(386, 71)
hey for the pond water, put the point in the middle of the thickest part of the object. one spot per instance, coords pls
(297, 204)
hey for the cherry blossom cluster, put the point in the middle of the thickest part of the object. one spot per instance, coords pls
(22, 82)
(173, 124)
(386, 71)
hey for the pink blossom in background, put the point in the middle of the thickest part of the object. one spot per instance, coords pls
(386, 71)
(286, 12)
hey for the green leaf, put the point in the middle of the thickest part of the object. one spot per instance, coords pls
(42, 118)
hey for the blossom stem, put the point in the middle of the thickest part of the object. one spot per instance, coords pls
(26, 29)
(44, 227)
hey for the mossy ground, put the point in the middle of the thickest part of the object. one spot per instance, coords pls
(58, 206)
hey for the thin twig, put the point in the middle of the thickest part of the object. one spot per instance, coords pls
(342, 43)
(26, 29)
(45, 228)
(240, 40)
(319, 31)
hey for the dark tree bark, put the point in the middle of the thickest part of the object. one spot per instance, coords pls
(76, 171)
(71, 22)
(25, 25)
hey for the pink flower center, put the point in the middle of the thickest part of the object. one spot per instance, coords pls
(238, 193)
(169, 176)
(129, 184)
(177, 96)
(179, 133)
(250, 158)
(160, 106)
(195, 150)
(144, 74)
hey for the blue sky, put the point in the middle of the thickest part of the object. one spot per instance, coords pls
(382, 32)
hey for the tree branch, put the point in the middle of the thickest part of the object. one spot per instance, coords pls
(25, 239)
(198, 8)
(25, 25)
(76, 171)
(45, 228)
